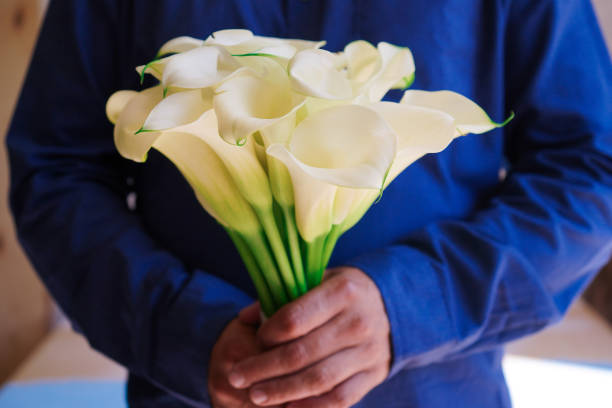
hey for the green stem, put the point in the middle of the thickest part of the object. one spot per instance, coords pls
(278, 249)
(294, 247)
(261, 253)
(314, 252)
(330, 244)
(263, 292)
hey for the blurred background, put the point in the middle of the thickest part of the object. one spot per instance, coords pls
(42, 359)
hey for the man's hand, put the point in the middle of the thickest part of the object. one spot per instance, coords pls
(329, 348)
(238, 341)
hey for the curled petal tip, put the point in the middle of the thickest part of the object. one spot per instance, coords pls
(407, 81)
(508, 120)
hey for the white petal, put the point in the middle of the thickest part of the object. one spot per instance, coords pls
(280, 182)
(285, 51)
(358, 210)
(363, 61)
(180, 44)
(259, 43)
(419, 130)
(266, 66)
(246, 103)
(211, 181)
(117, 102)
(347, 145)
(348, 200)
(199, 68)
(155, 68)
(469, 117)
(129, 144)
(397, 63)
(230, 37)
(313, 73)
(314, 199)
(177, 109)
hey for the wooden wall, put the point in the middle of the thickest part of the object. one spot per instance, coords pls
(24, 305)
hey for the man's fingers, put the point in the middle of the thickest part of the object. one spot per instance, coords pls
(339, 333)
(314, 380)
(309, 311)
(250, 315)
(345, 394)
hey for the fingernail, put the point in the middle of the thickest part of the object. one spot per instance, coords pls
(258, 396)
(235, 379)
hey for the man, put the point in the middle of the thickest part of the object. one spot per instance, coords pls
(453, 262)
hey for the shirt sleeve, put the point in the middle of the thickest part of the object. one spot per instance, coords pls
(461, 286)
(134, 301)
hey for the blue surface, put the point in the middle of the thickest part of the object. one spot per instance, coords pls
(465, 262)
(64, 394)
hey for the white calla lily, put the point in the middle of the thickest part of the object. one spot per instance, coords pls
(314, 72)
(155, 68)
(469, 117)
(397, 69)
(198, 162)
(247, 103)
(178, 109)
(363, 61)
(116, 103)
(179, 44)
(419, 131)
(199, 68)
(376, 70)
(349, 146)
(397, 66)
(131, 145)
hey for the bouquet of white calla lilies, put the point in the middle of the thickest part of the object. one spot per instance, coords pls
(285, 144)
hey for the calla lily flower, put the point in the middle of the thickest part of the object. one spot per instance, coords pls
(247, 103)
(349, 146)
(200, 67)
(178, 109)
(116, 103)
(199, 163)
(314, 72)
(376, 70)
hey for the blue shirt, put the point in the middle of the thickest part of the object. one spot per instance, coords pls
(465, 261)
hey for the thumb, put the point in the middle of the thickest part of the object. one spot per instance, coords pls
(250, 314)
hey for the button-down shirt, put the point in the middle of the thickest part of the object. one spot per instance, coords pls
(465, 260)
